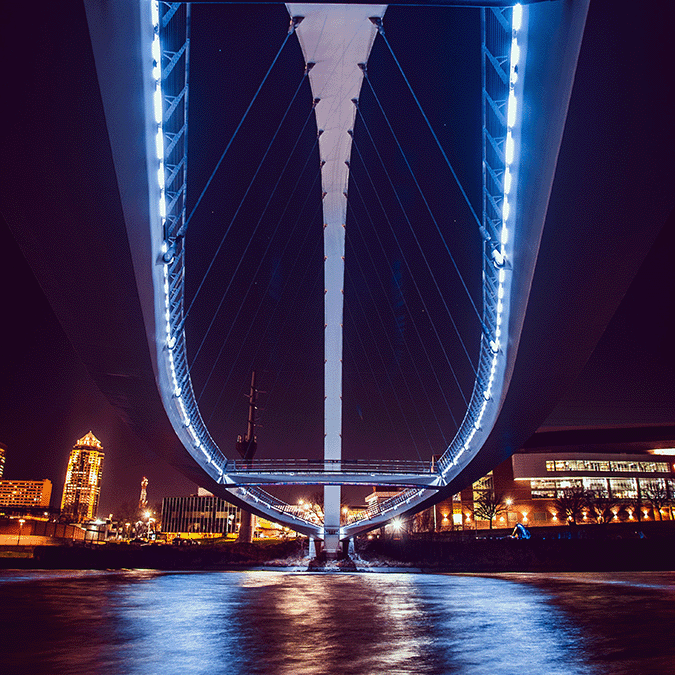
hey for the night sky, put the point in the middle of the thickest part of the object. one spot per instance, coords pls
(268, 274)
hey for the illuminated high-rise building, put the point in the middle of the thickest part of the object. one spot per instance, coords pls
(83, 479)
(3, 453)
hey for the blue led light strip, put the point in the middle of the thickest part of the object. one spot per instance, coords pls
(170, 118)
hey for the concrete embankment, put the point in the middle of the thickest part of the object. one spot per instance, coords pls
(160, 557)
(651, 546)
(579, 549)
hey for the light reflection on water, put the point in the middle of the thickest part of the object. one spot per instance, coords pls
(279, 623)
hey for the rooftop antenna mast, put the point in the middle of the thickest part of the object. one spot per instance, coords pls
(247, 446)
(143, 501)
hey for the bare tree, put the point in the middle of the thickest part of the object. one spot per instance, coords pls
(656, 494)
(570, 504)
(488, 506)
(423, 521)
(600, 507)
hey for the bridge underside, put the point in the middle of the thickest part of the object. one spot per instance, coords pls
(89, 64)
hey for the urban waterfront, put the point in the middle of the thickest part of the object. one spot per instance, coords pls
(282, 622)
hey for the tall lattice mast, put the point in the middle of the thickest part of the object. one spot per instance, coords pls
(143, 501)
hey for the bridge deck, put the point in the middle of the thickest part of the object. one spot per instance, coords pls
(332, 472)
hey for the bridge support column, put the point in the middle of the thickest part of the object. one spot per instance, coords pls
(246, 527)
(331, 520)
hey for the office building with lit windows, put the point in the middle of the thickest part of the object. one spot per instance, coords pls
(197, 516)
(31, 494)
(82, 487)
(3, 457)
(627, 479)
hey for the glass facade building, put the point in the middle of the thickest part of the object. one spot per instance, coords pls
(199, 515)
(624, 486)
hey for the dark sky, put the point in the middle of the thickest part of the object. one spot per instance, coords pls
(271, 314)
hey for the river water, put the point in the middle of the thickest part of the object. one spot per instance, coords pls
(292, 623)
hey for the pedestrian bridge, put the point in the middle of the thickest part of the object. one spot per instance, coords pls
(130, 332)
(404, 473)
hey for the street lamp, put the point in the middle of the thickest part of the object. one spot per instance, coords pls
(396, 525)
(21, 522)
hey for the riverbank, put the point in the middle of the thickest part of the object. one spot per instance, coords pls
(583, 549)
(589, 548)
(234, 556)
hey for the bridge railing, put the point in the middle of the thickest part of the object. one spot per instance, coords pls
(499, 74)
(327, 466)
(296, 512)
(171, 55)
(389, 505)
(172, 64)
(171, 27)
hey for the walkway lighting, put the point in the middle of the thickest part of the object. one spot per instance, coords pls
(515, 53)
(157, 100)
(159, 144)
(507, 181)
(511, 116)
(156, 51)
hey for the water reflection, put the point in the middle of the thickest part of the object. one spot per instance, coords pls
(281, 623)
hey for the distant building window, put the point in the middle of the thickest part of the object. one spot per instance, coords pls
(598, 486)
(597, 465)
(552, 488)
(623, 488)
(543, 489)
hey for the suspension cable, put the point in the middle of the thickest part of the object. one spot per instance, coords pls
(227, 147)
(372, 370)
(241, 304)
(419, 246)
(295, 262)
(348, 381)
(229, 227)
(220, 161)
(380, 29)
(426, 203)
(313, 319)
(391, 346)
(271, 389)
(270, 320)
(412, 321)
